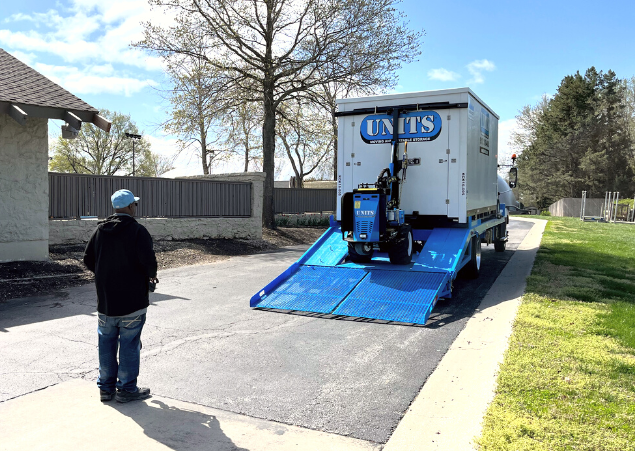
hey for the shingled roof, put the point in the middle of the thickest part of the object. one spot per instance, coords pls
(25, 90)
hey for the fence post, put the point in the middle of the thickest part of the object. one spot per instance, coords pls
(617, 199)
(583, 205)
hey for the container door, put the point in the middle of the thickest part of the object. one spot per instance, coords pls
(350, 154)
(454, 171)
(426, 187)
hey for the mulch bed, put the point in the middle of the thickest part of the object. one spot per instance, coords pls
(66, 269)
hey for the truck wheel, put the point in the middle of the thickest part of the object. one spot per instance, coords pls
(473, 268)
(360, 252)
(400, 252)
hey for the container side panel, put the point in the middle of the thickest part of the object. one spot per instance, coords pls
(482, 157)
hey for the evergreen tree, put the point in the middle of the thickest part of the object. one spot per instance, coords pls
(578, 140)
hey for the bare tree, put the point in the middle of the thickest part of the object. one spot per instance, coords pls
(154, 165)
(277, 50)
(376, 76)
(197, 98)
(305, 136)
(243, 134)
(326, 96)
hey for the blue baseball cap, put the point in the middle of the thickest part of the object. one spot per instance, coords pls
(122, 198)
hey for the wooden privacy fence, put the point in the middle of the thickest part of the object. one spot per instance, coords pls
(304, 200)
(75, 195)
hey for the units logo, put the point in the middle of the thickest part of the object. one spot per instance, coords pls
(415, 126)
(365, 213)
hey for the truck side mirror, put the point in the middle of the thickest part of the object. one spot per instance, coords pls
(513, 177)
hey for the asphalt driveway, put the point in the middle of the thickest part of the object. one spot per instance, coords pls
(202, 343)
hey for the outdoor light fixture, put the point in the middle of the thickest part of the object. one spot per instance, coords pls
(68, 132)
(133, 137)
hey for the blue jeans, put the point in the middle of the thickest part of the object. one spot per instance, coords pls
(126, 334)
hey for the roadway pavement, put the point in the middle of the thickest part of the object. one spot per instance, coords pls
(204, 346)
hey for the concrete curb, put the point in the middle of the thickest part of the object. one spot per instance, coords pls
(448, 412)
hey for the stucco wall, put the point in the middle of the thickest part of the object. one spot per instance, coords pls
(23, 189)
(79, 231)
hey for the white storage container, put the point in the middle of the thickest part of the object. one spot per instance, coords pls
(452, 132)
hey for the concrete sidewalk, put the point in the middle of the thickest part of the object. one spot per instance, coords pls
(448, 412)
(70, 416)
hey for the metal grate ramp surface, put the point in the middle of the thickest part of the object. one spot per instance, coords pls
(394, 296)
(313, 289)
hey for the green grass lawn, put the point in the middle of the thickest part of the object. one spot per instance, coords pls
(568, 378)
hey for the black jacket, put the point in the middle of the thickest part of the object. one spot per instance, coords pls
(121, 256)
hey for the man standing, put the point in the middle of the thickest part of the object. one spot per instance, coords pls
(120, 254)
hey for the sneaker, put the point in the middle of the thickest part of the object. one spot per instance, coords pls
(126, 396)
(105, 395)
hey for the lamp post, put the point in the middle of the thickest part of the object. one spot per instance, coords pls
(133, 137)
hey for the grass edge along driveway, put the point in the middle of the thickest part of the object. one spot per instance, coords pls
(567, 381)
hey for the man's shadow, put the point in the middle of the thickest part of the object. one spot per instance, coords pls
(176, 428)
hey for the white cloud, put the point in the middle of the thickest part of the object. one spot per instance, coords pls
(92, 79)
(185, 163)
(443, 75)
(24, 17)
(26, 58)
(104, 49)
(476, 69)
(89, 32)
(166, 147)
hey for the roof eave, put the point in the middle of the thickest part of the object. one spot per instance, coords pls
(92, 116)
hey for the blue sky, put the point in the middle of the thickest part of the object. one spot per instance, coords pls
(508, 52)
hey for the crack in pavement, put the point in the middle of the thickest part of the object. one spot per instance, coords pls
(32, 372)
(221, 334)
(93, 345)
(77, 367)
(32, 391)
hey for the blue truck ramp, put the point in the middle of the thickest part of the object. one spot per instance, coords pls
(413, 191)
(323, 281)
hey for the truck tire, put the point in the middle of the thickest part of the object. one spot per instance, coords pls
(358, 254)
(400, 252)
(473, 268)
